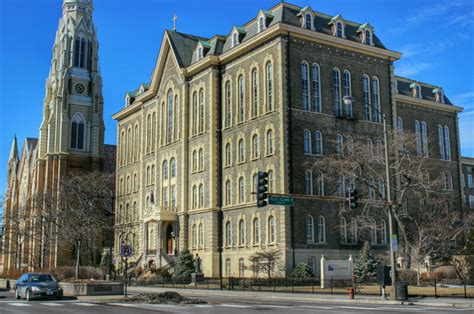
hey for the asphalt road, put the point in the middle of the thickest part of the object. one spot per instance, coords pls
(8, 304)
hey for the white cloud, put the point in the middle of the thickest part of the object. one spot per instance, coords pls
(409, 68)
(464, 99)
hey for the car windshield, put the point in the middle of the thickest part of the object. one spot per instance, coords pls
(41, 278)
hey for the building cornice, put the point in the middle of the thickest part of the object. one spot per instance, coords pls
(467, 160)
(428, 104)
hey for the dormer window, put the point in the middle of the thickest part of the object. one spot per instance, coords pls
(235, 39)
(261, 23)
(308, 21)
(368, 37)
(439, 95)
(200, 53)
(339, 31)
(127, 100)
(416, 90)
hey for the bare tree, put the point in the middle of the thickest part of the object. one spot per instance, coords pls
(423, 195)
(266, 261)
(85, 202)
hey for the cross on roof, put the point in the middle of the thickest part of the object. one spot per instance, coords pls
(175, 18)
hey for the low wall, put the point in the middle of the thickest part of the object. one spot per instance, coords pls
(105, 288)
(7, 284)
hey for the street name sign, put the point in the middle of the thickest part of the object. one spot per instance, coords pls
(281, 200)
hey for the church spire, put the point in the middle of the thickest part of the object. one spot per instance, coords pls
(14, 150)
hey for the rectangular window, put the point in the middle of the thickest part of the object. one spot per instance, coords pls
(316, 89)
(471, 201)
(469, 181)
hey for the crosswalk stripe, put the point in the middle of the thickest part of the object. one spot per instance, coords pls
(51, 304)
(19, 304)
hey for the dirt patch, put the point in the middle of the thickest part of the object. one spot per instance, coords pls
(163, 298)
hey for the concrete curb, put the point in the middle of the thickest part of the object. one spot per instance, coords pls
(307, 298)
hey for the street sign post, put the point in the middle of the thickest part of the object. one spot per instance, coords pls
(394, 240)
(126, 251)
(281, 200)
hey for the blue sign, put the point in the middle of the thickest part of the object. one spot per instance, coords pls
(126, 250)
(394, 244)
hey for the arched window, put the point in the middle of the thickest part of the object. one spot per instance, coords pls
(255, 145)
(424, 139)
(228, 155)
(340, 185)
(78, 134)
(195, 114)
(375, 91)
(241, 111)
(201, 235)
(320, 184)
(308, 185)
(201, 111)
(195, 235)
(235, 39)
(241, 232)
(241, 150)
(339, 145)
(316, 88)
(254, 93)
(256, 231)
(241, 267)
(381, 188)
(418, 138)
(195, 197)
(195, 161)
(309, 229)
(370, 149)
(418, 91)
(343, 230)
(228, 269)
(228, 104)
(269, 142)
(382, 233)
(148, 175)
(321, 229)
(173, 168)
(339, 30)
(366, 90)
(269, 70)
(371, 191)
(228, 193)
(307, 141)
(271, 229)
(152, 179)
(347, 83)
(447, 145)
(228, 234)
(379, 150)
(165, 170)
(308, 21)
(318, 137)
(83, 53)
(200, 54)
(201, 195)
(241, 190)
(368, 37)
(271, 181)
(201, 159)
(261, 24)
(352, 232)
(441, 141)
(305, 85)
(170, 117)
(337, 91)
(137, 142)
(255, 184)
(449, 181)
(373, 231)
(350, 145)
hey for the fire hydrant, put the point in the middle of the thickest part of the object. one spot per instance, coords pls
(351, 292)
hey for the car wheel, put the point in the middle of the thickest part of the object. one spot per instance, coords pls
(17, 294)
(28, 295)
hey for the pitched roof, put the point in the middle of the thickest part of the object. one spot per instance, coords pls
(405, 85)
(183, 46)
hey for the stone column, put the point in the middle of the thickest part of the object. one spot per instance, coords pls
(323, 270)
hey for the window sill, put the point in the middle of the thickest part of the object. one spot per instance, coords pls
(255, 158)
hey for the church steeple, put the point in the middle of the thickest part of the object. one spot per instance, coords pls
(14, 150)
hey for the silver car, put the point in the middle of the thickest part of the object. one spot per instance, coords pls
(34, 285)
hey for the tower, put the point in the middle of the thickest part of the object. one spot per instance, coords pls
(71, 139)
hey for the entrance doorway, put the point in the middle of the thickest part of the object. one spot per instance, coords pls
(169, 240)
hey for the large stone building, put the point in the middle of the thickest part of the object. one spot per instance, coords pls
(71, 140)
(467, 183)
(266, 97)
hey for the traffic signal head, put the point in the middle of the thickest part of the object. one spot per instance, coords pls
(262, 188)
(353, 198)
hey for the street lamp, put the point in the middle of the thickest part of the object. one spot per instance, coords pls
(348, 101)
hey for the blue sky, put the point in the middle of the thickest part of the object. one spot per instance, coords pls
(436, 38)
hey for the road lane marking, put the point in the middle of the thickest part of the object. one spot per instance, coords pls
(86, 304)
(317, 307)
(359, 308)
(202, 305)
(124, 304)
(275, 306)
(19, 304)
(51, 304)
(234, 305)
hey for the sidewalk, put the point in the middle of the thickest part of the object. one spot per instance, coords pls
(306, 297)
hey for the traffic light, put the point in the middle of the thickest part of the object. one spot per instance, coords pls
(262, 188)
(353, 198)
